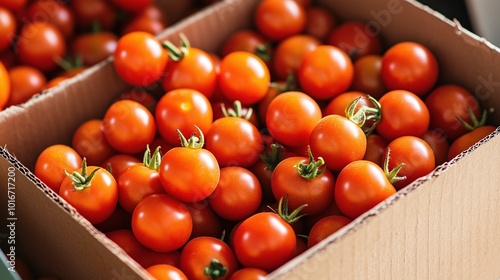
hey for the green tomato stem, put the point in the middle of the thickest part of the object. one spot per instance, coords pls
(80, 180)
(312, 169)
(215, 270)
(392, 174)
(193, 142)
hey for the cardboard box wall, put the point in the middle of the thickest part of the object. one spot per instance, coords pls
(444, 226)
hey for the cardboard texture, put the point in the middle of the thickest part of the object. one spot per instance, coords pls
(443, 226)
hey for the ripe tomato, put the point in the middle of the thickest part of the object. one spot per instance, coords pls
(90, 12)
(142, 96)
(245, 40)
(162, 223)
(279, 19)
(410, 66)
(291, 117)
(467, 140)
(53, 12)
(356, 39)
(375, 148)
(238, 194)
(14, 5)
(416, 155)
(94, 47)
(4, 86)
(305, 181)
(449, 103)
(338, 104)
(182, 109)
(166, 272)
(249, 273)
(320, 23)
(40, 45)
(92, 191)
(325, 72)
(338, 141)
(189, 173)
(205, 221)
(145, 24)
(439, 145)
(139, 58)
(8, 25)
(89, 141)
(51, 163)
(289, 53)
(360, 186)
(138, 181)
(244, 77)
(207, 257)
(368, 76)
(133, 6)
(116, 164)
(326, 227)
(264, 241)
(189, 68)
(129, 126)
(403, 114)
(25, 81)
(234, 141)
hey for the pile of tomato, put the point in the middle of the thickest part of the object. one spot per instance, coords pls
(255, 154)
(43, 42)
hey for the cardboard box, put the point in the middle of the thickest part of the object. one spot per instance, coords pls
(443, 226)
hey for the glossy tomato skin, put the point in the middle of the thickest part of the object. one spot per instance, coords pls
(403, 114)
(97, 201)
(166, 272)
(238, 194)
(188, 174)
(194, 70)
(40, 45)
(338, 141)
(182, 109)
(338, 105)
(320, 23)
(243, 76)
(87, 12)
(25, 81)
(279, 19)
(375, 148)
(317, 192)
(52, 162)
(415, 153)
(8, 25)
(326, 227)
(119, 163)
(291, 117)
(356, 39)
(467, 140)
(4, 86)
(129, 126)
(234, 141)
(360, 186)
(162, 223)
(289, 52)
(448, 102)
(410, 66)
(135, 183)
(368, 76)
(439, 145)
(53, 12)
(89, 141)
(249, 273)
(264, 241)
(93, 48)
(200, 251)
(205, 221)
(139, 58)
(325, 72)
(244, 40)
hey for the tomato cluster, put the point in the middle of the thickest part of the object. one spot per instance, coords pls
(43, 42)
(294, 129)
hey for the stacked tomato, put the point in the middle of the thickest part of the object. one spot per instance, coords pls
(253, 155)
(43, 42)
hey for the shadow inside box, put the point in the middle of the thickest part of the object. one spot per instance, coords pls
(452, 9)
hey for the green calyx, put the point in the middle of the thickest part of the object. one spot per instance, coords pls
(236, 111)
(177, 53)
(263, 51)
(283, 211)
(312, 169)
(272, 156)
(215, 270)
(82, 181)
(152, 161)
(194, 142)
(290, 84)
(365, 114)
(392, 175)
(475, 122)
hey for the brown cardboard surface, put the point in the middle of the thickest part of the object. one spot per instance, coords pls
(442, 226)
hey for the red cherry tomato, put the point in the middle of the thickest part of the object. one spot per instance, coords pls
(166, 272)
(289, 53)
(8, 27)
(375, 148)
(320, 23)
(162, 223)
(360, 186)
(133, 6)
(89, 141)
(53, 12)
(118, 163)
(94, 47)
(90, 12)
(249, 273)
(467, 140)
(325, 72)
(279, 19)
(52, 162)
(410, 66)
(439, 145)
(25, 81)
(205, 221)
(247, 41)
(4, 86)
(368, 76)
(139, 58)
(356, 39)
(326, 227)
